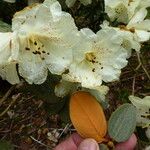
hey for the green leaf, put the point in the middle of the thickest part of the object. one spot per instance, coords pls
(4, 145)
(122, 123)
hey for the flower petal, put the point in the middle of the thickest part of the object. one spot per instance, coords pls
(8, 57)
(8, 47)
(46, 36)
(138, 17)
(8, 72)
(100, 61)
(33, 72)
(143, 36)
(143, 106)
(64, 88)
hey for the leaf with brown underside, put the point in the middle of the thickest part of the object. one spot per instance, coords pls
(87, 116)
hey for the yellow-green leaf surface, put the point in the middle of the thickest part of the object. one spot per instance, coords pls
(87, 116)
(122, 123)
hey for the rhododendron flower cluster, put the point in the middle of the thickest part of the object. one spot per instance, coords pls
(45, 38)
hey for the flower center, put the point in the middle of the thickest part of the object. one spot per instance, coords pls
(36, 46)
(90, 57)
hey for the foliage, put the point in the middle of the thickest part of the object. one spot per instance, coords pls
(87, 116)
(122, 123)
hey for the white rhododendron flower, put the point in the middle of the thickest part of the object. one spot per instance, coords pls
(129, 39)
(132, 13)
(143, 107)
(70, 3)
(121, 10)
(98, 57)
(46, 36)
(65, 87)
(140, 26)
(124, 10)
(8, 54)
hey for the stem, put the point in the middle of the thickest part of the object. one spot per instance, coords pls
(140, 63)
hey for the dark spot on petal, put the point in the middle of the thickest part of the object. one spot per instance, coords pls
(93, 70)
(43, 58)
(47, 53)
(39, 48)
(93, 61)
(38, 52)
(35, 43)
(27, 48)
(143, 116)
(42, 45)
(66, 71)
(10, 44)
(34, 53)
(43, 52)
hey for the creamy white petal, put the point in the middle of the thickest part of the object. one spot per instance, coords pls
(144, 25)
(143, 106)
(83, 73)
(138, 17)
(33, 72)
(65, 87)
(140, 103)
(5, 47)
(130, 40)
(126, 11)
(9, 47)
(101, 60)
(133, 7)
(99, 92)
(8, 72)
(117, 10)
(142, 35)
(145, 3)
(46, 36)
(8, 57)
